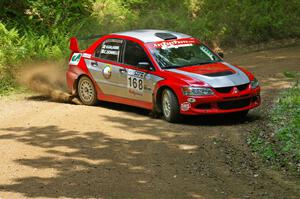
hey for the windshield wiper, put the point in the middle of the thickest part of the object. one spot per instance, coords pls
(202, 63)
(171, 67)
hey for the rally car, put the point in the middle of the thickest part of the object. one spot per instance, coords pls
(163, 71)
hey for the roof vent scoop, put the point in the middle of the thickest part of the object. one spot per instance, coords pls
(165, 36)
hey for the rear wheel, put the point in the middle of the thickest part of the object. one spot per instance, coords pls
(170, 106)
(86, 91)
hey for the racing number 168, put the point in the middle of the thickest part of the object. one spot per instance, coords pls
(135, 83)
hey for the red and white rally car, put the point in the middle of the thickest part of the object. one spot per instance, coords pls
(167, 72)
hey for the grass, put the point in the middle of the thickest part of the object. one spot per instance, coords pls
(279, 142)
(289, 74)
(9, 86)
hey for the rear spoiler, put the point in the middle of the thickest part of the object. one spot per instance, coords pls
(74, 45)
(74, 41)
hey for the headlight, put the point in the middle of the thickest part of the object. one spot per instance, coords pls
(254, 83)
(196, 91)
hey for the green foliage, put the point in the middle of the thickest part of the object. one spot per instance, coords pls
(262, 146)
(224, 22)
(8, 86)
(11, 51)
(286, 118)
(293, 75)
(282, 147)
(36, 30)
(39, 29)
(16, 49)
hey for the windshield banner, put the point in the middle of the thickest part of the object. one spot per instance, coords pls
(174, 43)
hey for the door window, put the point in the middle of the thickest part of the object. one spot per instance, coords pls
(134, 54)
(109, 49)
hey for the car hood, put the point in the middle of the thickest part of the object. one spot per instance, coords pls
(220, 74)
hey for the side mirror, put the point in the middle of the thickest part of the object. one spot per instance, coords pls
(144, 65)
(221, 54)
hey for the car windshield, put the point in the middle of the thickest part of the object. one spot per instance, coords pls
(181, 54)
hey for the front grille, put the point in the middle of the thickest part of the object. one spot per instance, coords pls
(224, 89)
(234, 97)
(242, 87)
(228, 89)
(204, 106)
(234, 104)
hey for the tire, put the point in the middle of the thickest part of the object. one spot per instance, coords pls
(86, 91)
(170, 106)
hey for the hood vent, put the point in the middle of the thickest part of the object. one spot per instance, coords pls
(165, 36)
(217, 74)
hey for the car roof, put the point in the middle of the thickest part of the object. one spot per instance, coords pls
(150, 35)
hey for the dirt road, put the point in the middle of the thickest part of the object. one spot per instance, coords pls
(60, 150)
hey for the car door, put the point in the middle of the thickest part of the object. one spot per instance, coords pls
(139, 81)
(104, 65)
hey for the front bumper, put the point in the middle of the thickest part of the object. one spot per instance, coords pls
(220, 103)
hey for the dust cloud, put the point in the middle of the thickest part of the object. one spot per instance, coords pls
(47, 79)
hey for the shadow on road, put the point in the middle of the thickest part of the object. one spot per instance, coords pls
(195, 163)
(222, 119)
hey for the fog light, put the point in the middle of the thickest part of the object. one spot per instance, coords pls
(191, 100)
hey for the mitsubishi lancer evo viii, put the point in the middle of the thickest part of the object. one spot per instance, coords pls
(163, 71)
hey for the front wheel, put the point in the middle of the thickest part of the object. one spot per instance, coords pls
(170, 106)
(86, 91)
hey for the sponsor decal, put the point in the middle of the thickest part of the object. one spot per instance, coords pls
(174, 43)
(176, 46)
(109, 47)
(94, 64)
(207, 52)
(75, 59)
(110, 50)
(136, 73)
(107, 71)
(131, 91)
(86, 55)
(135, 81)
(146, 88)
(148, 77)
(185, 106)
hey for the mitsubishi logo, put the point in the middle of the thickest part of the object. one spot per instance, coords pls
(235, 90)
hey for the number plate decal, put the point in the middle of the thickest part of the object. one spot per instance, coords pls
(135, 82)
